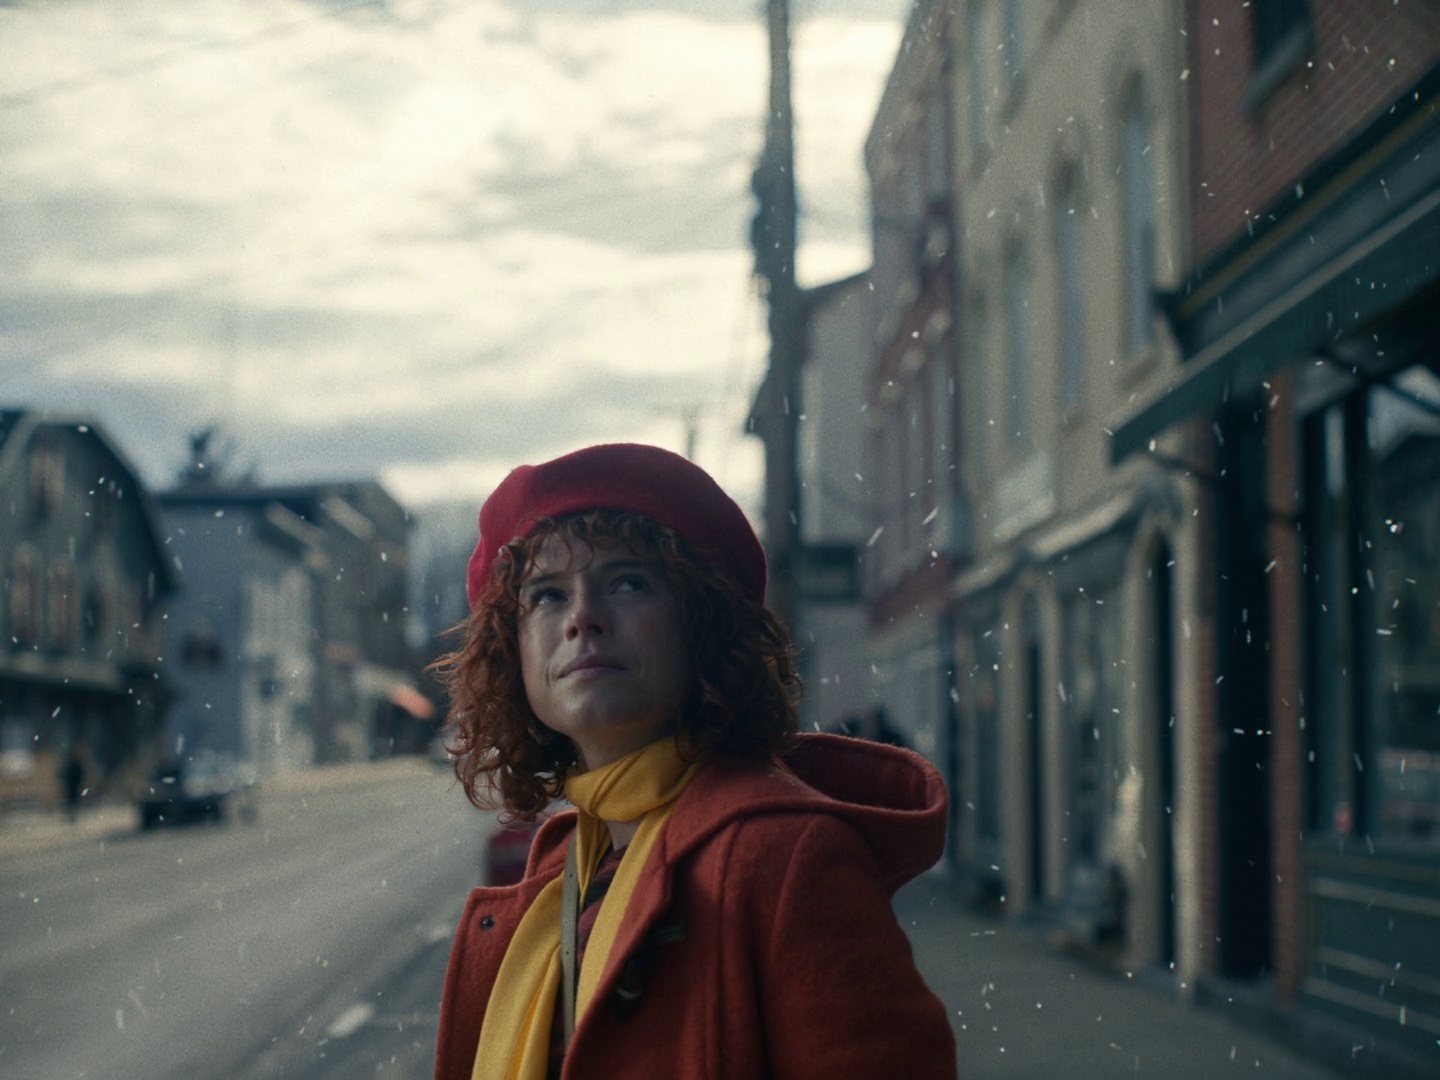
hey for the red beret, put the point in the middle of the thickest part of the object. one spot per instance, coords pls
(622, 476)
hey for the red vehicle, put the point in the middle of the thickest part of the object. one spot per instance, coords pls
(507, 849)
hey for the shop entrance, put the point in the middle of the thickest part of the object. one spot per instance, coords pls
(1243, 693)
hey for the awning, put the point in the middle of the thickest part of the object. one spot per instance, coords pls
(1364, 243)
(412, 701)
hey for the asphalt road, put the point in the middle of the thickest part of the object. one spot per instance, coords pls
(309, 944)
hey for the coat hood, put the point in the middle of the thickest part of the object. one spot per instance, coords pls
(893, 797)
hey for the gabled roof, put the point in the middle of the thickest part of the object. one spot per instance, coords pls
(17, 426)
(359, 506)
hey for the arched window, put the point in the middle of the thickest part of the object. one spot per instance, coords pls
(976, 410)
(1017, 347)
(975, 82)
(914, 452)
(1014, 40)
(941, 394)
(1070, 278)
(1137, 238)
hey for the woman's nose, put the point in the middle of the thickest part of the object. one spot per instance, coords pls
(587, 615)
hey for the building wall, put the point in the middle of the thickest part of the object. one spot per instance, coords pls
(830, 629)
(833, 503)
(1362, 56)
(918, 521)
(243, 637)
(206, 632)
(278, 694)
(1072, 195)
(364, 602)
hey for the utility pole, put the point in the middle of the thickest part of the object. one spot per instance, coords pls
(773, 238)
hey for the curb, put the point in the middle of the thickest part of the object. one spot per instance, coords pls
(37, 830)
(29, 831)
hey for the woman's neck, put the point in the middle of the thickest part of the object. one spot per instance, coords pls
(622, 832)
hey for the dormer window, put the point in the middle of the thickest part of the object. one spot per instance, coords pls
(64, 606)
(25, 598)
(47, 478)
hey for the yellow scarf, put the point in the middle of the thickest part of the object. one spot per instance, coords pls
(515, 1035)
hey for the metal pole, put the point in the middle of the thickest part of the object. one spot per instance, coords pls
(774, 240)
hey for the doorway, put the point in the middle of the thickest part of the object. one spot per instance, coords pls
(1242, 627)
(1163, 638)
(1035, 731)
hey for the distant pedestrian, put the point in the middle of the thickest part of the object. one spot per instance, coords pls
(719, 904)
(876, 727)
(72, 780)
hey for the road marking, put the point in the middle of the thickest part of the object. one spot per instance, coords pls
(350, 1021)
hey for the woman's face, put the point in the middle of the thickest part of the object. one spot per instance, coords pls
(602, 648)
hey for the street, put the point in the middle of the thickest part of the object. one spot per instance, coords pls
(299, 946)
(312, 945)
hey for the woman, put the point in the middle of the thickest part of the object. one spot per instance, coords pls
(728, 882)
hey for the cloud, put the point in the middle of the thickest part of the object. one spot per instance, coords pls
(420, 240)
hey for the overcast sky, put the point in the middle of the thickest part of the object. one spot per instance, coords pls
(423, 241)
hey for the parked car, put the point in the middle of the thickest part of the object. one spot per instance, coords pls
(201, 788)
(508, 849)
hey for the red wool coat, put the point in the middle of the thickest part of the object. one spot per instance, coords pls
(761, 944)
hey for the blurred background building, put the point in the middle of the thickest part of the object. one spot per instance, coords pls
(264, 626)
(290, 640)
(828, 616)
(87, 577)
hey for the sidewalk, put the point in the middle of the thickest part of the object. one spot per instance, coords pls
(25, 831)
(1021, 1008)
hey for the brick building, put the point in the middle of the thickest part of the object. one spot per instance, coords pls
(918, 521)
(1307, 402)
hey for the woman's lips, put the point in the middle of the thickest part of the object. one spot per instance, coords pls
(589, 663)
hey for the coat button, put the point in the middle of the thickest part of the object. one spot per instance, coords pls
(487, 923)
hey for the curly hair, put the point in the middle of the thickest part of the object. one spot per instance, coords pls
(743, 685)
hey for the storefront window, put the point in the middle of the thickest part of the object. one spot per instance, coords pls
(1405, 445)
(1372, 529)
(1088, 703)
(985, 710)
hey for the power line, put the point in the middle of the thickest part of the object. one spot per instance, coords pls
(135, 67)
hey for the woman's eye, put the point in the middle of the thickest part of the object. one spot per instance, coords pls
(546, 595)
(631, 583)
